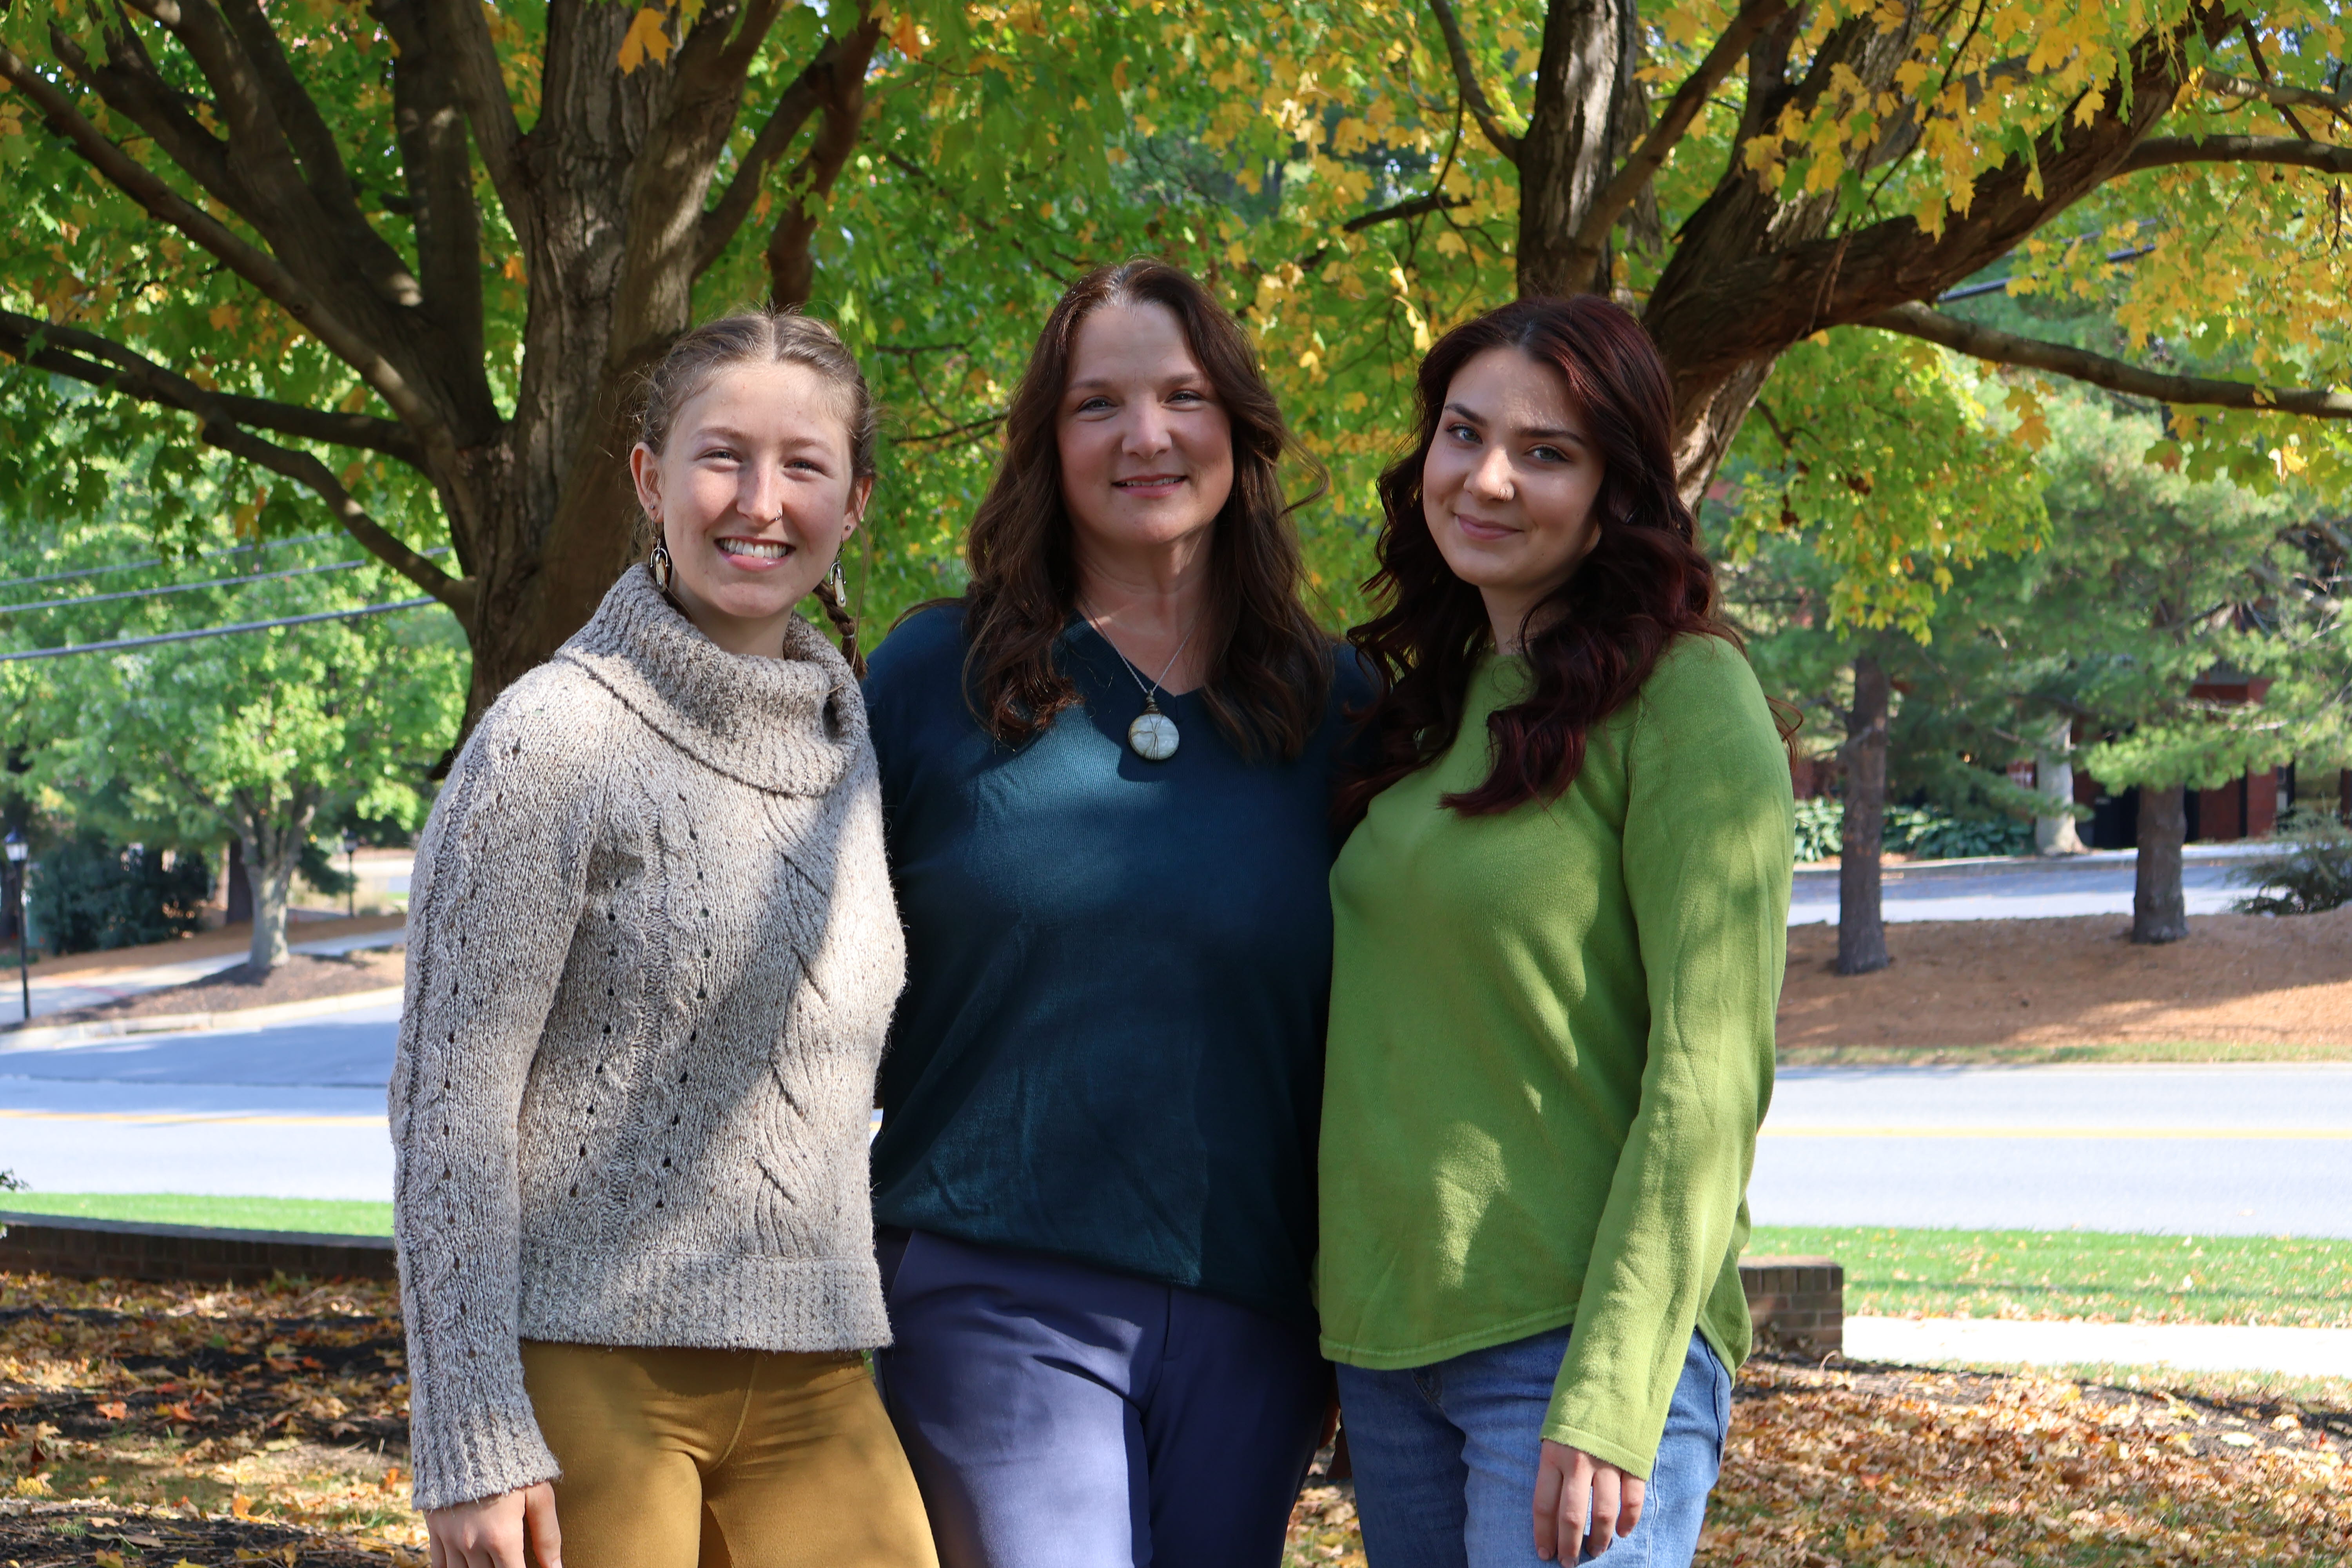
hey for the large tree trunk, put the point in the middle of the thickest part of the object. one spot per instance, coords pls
(1862, 924)
(236, 887)
(2159, 909)
(2054, 780)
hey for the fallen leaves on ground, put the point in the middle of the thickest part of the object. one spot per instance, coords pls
(161, 1425)
(215, 1424)
(1878, 1467)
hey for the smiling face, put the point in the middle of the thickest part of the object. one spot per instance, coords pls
(1147, 452)
(754, 494)
(1508, 485)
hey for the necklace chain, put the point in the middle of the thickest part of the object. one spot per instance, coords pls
(1151, 691)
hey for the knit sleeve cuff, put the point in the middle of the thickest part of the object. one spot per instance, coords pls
(475, 1451)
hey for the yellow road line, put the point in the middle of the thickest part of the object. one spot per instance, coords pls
(2333, 1134)
(196, 1118)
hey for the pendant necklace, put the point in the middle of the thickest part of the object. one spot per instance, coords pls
(1153, 735)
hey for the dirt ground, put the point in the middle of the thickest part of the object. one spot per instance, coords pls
(2279, 988)
(212, 943)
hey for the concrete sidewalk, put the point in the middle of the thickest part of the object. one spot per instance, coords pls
(94, 987)
(2193, 1347)
(2023, 887)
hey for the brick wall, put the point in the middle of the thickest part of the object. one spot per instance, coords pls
(1798, 1304)
(113, 1249)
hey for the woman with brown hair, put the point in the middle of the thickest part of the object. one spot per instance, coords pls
(1559, 927)
(1106, 775)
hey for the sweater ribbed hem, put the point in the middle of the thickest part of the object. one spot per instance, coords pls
(691, 1301)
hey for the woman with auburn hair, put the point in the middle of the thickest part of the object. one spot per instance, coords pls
(1106, 775)
(1560, 929)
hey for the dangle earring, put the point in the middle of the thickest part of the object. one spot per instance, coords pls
(662, 567)
(839, 584)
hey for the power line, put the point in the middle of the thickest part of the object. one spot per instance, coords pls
(121, 643)
(161, 561)
(191, 588)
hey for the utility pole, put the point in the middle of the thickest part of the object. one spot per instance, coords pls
(18, 850)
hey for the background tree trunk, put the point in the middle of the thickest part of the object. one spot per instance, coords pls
(1861, 925)
(2054, 777)
(272, 840)
(236, 889)
(2160, 911)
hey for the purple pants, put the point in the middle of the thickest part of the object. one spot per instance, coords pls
(1064, 1416)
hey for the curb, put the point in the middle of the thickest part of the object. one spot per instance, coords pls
(38, 1038)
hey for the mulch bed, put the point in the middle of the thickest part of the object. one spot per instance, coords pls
(302, 978)
(2250, 980)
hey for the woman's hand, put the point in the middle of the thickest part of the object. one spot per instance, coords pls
(1578, 1498)
(490, 1533)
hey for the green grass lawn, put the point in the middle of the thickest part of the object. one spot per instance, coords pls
(2294, 1282)
(2297, 1281)
(325, 1215)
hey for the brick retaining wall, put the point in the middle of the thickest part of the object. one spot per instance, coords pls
(1798, 1303)
(116, 1250)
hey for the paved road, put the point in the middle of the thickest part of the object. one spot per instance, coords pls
(297, 1111)
(2247, 1150)
(2099, 884)
(292, 1110)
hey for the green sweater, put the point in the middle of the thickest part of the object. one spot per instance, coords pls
(1551, 1043)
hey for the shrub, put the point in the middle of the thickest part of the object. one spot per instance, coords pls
(1922, 832)
(88, 895)
(2311, 871)
(1819, 822)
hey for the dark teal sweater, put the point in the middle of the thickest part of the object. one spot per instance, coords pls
(1110, 1048)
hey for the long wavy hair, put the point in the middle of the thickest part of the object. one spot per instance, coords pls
(1596, 637)
(1269, 667)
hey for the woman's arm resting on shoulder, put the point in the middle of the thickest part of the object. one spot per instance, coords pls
(492, 1533)
(1581, 1498)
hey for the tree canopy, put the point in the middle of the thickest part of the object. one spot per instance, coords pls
(407, 256)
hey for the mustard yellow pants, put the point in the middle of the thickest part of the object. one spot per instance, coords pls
(702, 1458)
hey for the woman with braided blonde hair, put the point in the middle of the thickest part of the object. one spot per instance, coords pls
(652, 955)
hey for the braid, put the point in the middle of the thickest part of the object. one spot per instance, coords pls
(845, 624)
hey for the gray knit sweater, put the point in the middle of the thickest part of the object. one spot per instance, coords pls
(652, 954)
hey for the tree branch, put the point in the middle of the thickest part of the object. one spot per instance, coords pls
(1619, 195)
(1436, 200)
(462, 31)
(429, 128)
(96, 362)
(103, 363)
(720, 225)
(255, 266)
(2114, 374)
(1466, 79)
(791, 269)
(2165, 152)
(2284, 97)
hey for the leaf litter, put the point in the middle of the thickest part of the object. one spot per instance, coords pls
(156, 1424)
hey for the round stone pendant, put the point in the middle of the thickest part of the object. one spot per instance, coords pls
(1152, 736)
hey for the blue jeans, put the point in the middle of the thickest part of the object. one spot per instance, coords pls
(1445, 1459)
(1063, 1416)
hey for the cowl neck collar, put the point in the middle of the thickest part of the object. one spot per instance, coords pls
(790, 726)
